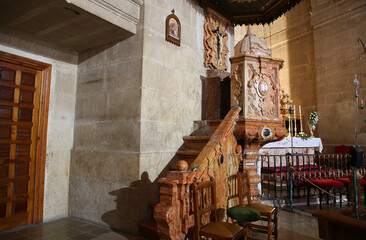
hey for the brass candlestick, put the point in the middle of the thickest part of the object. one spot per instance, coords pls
(295, 123)
(301, 129)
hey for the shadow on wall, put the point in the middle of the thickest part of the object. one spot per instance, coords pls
(136, 203)
(132, 204)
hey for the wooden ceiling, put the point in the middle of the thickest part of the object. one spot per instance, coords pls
(250, 11)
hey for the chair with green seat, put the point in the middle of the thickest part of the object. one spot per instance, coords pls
(252, 212)
(243, 215)
(205, 215)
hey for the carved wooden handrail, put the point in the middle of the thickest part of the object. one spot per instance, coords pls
(219, 159)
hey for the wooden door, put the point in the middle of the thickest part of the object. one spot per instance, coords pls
(20, 89)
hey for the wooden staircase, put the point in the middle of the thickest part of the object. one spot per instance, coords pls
(191, 148)
(211, 151)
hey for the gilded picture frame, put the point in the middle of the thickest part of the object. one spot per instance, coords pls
(173, 29)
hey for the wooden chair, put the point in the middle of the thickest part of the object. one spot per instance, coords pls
(205, 215)
(268, 213)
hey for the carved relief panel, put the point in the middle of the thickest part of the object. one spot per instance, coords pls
(215, 40)
(255, 87)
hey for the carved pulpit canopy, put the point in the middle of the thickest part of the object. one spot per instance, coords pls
(250, 11)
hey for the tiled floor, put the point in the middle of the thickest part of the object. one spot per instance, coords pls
(63, 229)
(292, 226)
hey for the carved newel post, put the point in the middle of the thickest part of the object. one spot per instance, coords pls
(255, 87)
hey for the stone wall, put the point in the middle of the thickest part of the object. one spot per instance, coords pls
(60, 118)
(338, 56)
(291, 38)
(318, 41)
(136, 99)
(171, 85)
(171, 88)
(105, 156)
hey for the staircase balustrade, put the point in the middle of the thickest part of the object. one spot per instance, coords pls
(219, 159)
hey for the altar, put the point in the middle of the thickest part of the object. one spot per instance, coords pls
(308, 146)
(300, 146)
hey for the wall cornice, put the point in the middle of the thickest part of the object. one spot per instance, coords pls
(122, 13)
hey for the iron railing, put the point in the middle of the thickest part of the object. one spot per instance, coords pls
(275, 172)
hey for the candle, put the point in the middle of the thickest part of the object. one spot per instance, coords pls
(300, 118)
(289, 125)
(295, 121)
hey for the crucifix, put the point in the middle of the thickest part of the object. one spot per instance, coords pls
(219, 41)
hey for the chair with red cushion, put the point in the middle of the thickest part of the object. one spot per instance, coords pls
(363, 184)
(326, 184)
(342, 149)
(347, 184)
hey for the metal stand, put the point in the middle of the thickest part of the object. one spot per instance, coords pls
(291, 171)
(355, 191)
(357, 83)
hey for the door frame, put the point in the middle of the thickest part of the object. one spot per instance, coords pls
(40, 159)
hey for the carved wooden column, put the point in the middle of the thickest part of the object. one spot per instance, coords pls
(255, 87)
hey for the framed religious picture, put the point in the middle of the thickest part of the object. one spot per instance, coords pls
(172, 29)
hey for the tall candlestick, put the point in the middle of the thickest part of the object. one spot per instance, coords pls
(289, 124)
(295, 120)
(300, 118)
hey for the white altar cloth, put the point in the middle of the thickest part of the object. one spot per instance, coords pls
(315, 143)
(283, 147)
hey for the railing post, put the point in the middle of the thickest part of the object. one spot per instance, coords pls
(291, 171)
(355, 190)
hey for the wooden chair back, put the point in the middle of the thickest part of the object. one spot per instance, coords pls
(233, 196)
(204, 198)
(244, 188)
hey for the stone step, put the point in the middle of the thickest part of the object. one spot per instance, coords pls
(148, 230)
(196, 143)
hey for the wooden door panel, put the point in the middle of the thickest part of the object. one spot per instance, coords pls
(6, 112)
(21, 169)
(19, 99)
(25, 114)
(4, 151)
(28, 79)
(24, 133)
(2, 209)
(5, 132)
(26, 96)
(4, 169)
(7, 94)
(8, 74)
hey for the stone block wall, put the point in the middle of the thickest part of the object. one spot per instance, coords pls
(291, 38)
(135, 101)
(171, 85)
(105, 156)
(60, 119)
(318, 41)
(338, 56)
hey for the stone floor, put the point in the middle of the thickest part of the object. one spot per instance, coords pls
(299, 226)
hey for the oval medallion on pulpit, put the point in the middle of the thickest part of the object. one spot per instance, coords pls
(263, 88)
